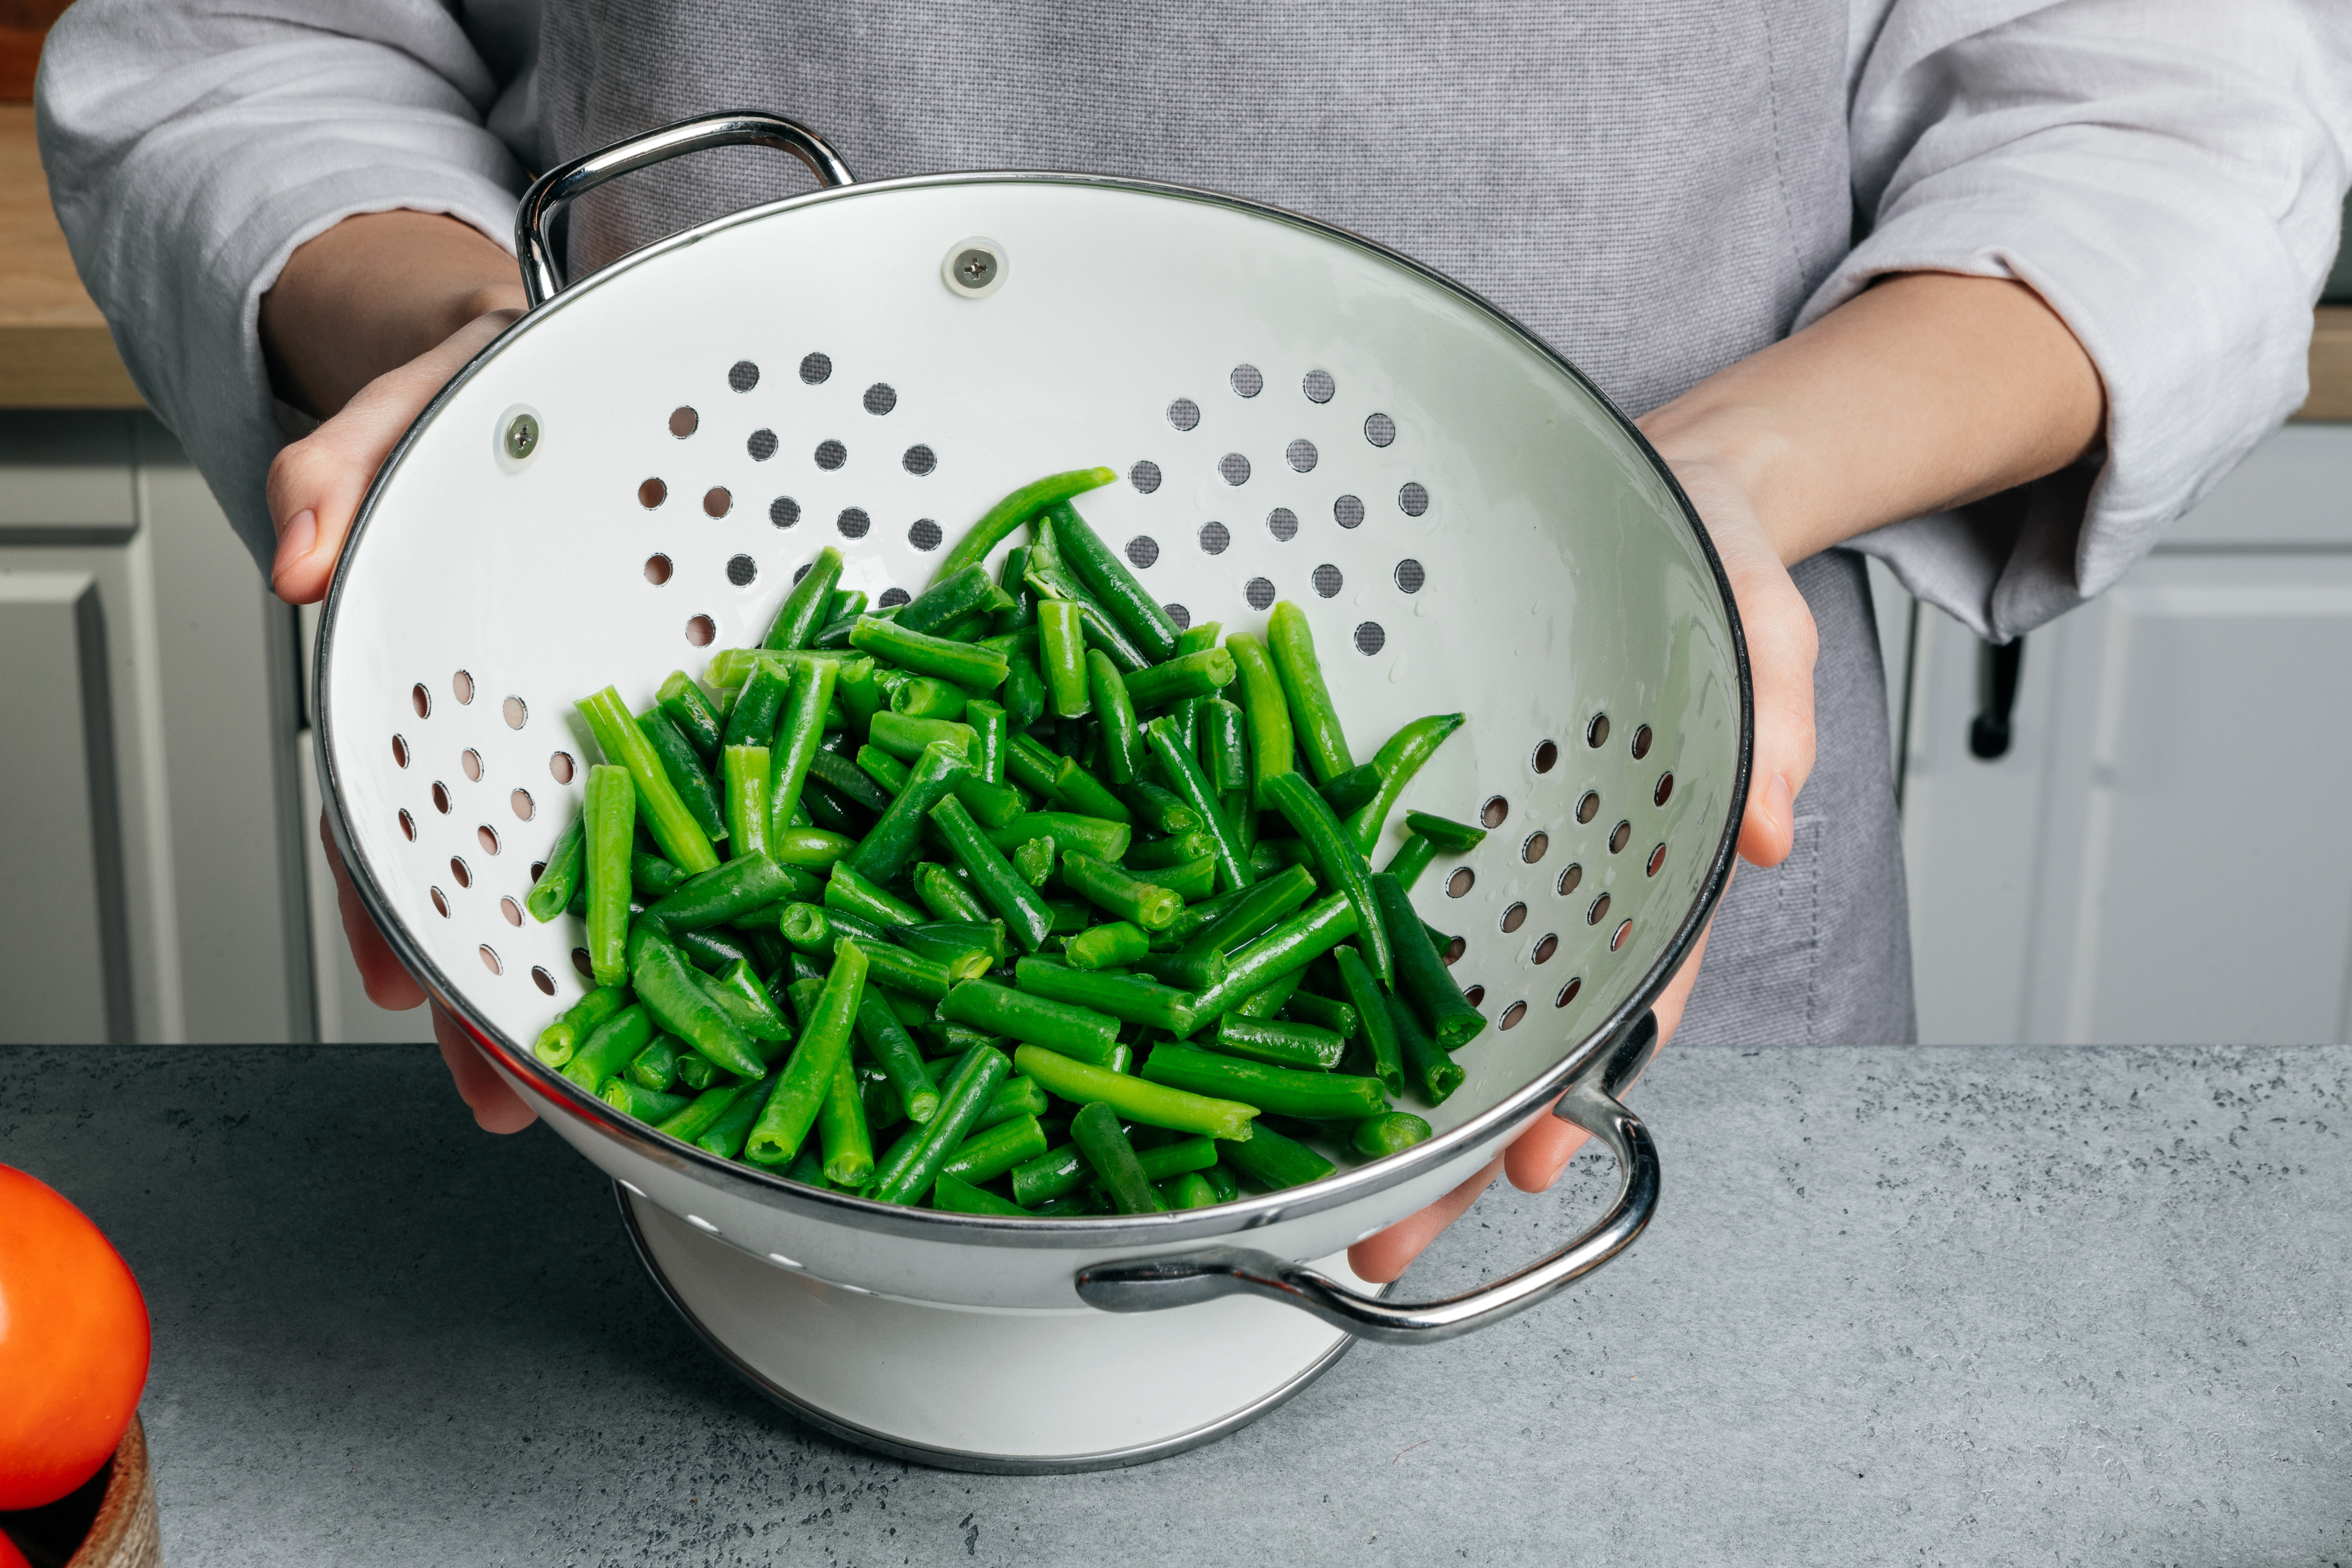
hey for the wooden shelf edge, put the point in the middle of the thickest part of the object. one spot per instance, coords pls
(63, 367)
(2331, 365)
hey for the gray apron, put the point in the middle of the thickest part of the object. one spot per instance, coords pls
(1652, 188)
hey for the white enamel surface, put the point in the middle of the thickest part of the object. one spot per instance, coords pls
(1020, 1384)
(1561, 580)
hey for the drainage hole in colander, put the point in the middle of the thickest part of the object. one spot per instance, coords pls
(853, 523)
(471, 761)
(1460, 882)
(1598, 911)
(1215, 537)
(652, 493)
(892, 598)
(1411, 575)
(525, 808)
(1455, 948)
(1380, 429)
(684, 422)
(742, 375)
(1514, 918)
(580, 962)
(1547, 756)
(1143, 551)
(702, 631)
(1327, 580)
(488, 837)
(1258, 591)
(783, 511)
(512, 910)
(1618, 940)
(1567, 992)
(1233, 469)
(1317, 385)
(741, 570)
(1596, 734)
(831, 455)
(461, 684)
(1569, 879)
(926, 534)
(1546, 945)
(1180, 614)
(440, 902)
(1664, 791)
(1246, 380)
(762, 446)
(1283, 523)
(1144, 475)
(561, 766)
(1619, 836)
(516, 711)
(400, 749)
(1300, 455)
(716, 502)
(440, 798)
(1641, 741)
(459, 870)
(919, 460)
(815, 367)
(1370, 638)
(538, 869)
(880, 398)
(1532, 849)
(421, 700)
(1495, 811)
(490, 960)
(1475, 995)
(1184, 413)
(1588, 806)
(543, 980)
(1348, 511)
(657, 569)
(407, 826)
(1412, 500)
(1657, 860)
(1512, 1015)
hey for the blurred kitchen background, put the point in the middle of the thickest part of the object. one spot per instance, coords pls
(2136, 825)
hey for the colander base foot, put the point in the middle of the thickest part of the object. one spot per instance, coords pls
(995, 1391)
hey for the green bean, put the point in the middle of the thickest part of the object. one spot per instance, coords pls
(952, 597)
(1123, 996)
(844, 601)
(1103, 1146)
(1269, 999)
(746, 883)
(1421, 976)
(1153, 1104)
(1266, 710)
(1055, 582)
(1023, 691)
(800, 733)
(892, 1050)
(883, 1110)
(808, 1166)
(987, 720)
(1202, 674)
(1453, 837)
(1226, 749)
(1296, 942)
(740, 996)
(1198, 917)
(1411, 859)
(1427, 1068)
(1059, 1171)
(1280, 1043)
(1071, 915)
(746, 771)
(1184, 773)
(706, 1108)
(992, 878)
(656, 1066)
(1033, 861)
(991, 1151)
(1108, 946)
(1292, 643)
(1160, 810)
(885, 772)
(1185, 970)
(1322, 1096)
(846, 778)
(1391, 1133)
(1098, 836)
(1352, 789)
(1015, 1096)
(1342, 865)
(612, 805)
(1271, 855)
(560, 1040)
(1087, 796)
(845, 890)
(731, 669)
(690, 709)
(1398, 762)
(906, 738)
(1098, 567)
(809, 1074)
(708, 951)
(1180, 849)
(843, 1137)
(1187, 1192)
(1109, 888)
(894, 968)
(635, 1100)
(967, 665)
(611, 1046)
(944, 895)
(724, 1137)
(623, 743)
(698, 1071)
(1323, 1012)
(559, 875)
(1015, 510)
(1013, 579)
(1066, 1027)
(907, 1173)
(859, 692)
(895, 840)
(1372, 1016)
(803, 608)
(1123, 749)
(1255, 910)
(1033, 767)
(669, 991)
(1062, 643)
(751, 722)
(1193, 880)
(991, 804)
(1221, 1181)
(951, 1195)
(1274, 1162)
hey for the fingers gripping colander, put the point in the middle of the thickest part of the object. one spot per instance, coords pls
(630, 478)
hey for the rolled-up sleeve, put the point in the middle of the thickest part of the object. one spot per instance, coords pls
(191, 147)
(2167, 175)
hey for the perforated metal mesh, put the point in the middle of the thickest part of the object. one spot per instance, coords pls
(762, 446)
(1370, 638)
(880, 398)
(919, 460)
(1348, 511)
(1317, 385)
(1234, 469)
(1259, 593)
(1184, 413)
(1327, 580)
(1380, 429)
(741, 570)
(926, 535)
(1215, 538)
(1143, 551)
(853, 523)
(783, 511)
(1144, 475)
(1300, 455)
(1412, 500)
(742, 375)
(1283, 523)
(1410, 577)
(1180, 614)
(892, 598)
(1246, 380)
(815, 368)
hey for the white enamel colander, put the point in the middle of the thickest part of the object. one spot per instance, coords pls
(630, 478)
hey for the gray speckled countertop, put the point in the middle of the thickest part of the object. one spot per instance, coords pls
(1967, 1306)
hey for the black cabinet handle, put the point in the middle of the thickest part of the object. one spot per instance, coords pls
(1998, 664)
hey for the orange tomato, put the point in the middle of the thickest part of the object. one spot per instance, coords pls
(73, 1344)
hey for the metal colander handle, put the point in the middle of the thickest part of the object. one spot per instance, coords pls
(1589, 1101)
(542, 278)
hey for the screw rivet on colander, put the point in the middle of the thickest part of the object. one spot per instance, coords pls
(522, 436)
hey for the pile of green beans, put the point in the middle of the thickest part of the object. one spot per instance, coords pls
(1013, 900)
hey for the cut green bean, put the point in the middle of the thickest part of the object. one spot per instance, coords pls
(991, 1151)
(612, 807)
(1108, 946)
(1398, 762)
(1133, 1098)
(635, 1100)
(1421, 976)
(1193, 880)
(1320, 1096)
(1123, 749)
(1272, 741)
(842, 1139)
(1184, 773)
(704, 1110)
(1352, 789)
(1316, 721)
(884, 771)
(845, 890)
(1034, 861)
(652, 879)
(1062, 1171)
(1015, 510)
(1202, 674)
(906, 739)
(1393, 1132)
(697, 1071)
(725, 1135)
(1268, 856)
(746, 883)
(740, 996)
(1181, 850)
(708, 951)
(560, 875)
(1224, 745)
(988, 722)
(1274, 1162)
(952, 1194)
(610, 1047)
(945, 895)
(1111, 889)
(1062, 650)
(896, 839)
(561, 1039)
(1013, 1098)
(894, 968)
(1160, 810)
(1254, 911)
(1221, 1181)
(1371, 1005)
(671, 993)
(1064, 1026)
(1095, 835)
(1294, 944)
(893, 1051)
(623, 743)
(998, 885)
(953, 597)
(1411, 859)
(1187, 1192)
(800, 733)
(1323, 1012)
(1127, 997)
(968, 665)
(907, 1174)
(809, 1074)
(1428, 1070)
(690, 709)
(803, 608)
(1023, 691)
(965, 949)
(1342, 867)
(1280, 1043)
(1269, 999)
(1193, 638)
(751, 722)
(1106, 576)
(1185, 969)
(846, 778)
(1104, 1145)
(1452, 837)
(746, 771)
